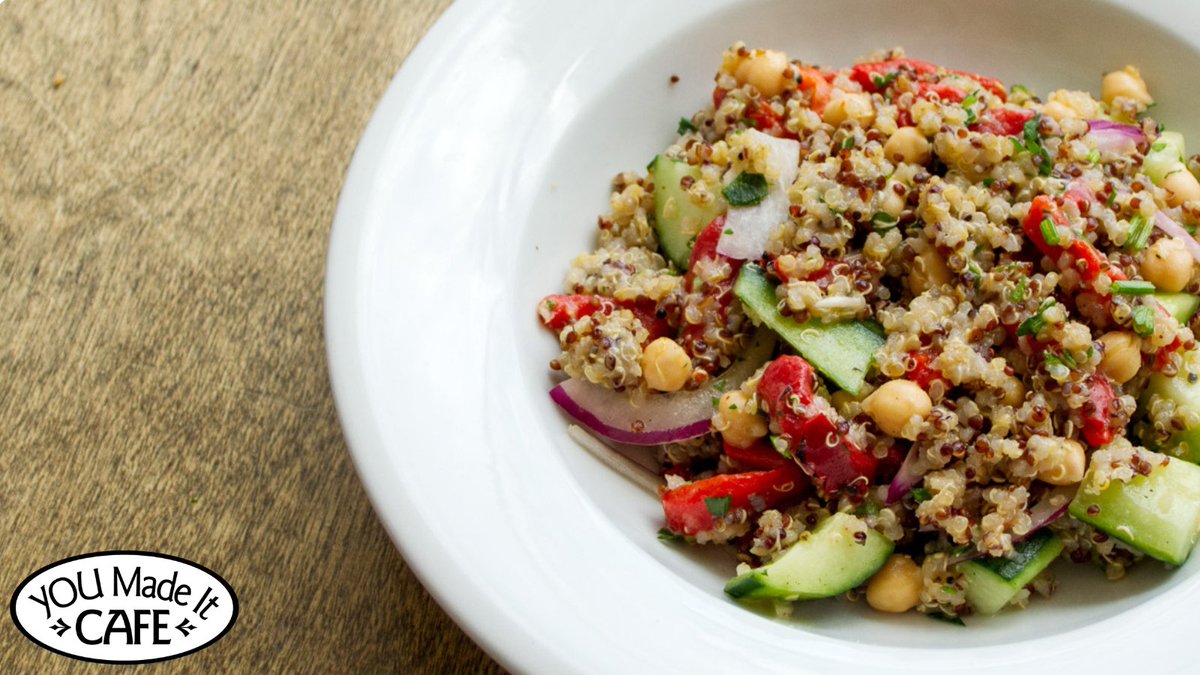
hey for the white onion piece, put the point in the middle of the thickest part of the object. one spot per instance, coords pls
(749, 228)
(1164, 222)
(1114, 137)
(662, 418)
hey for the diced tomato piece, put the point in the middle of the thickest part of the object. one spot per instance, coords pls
(717, 297)
(646, 311)
(947, 93)
(1003, 121)
(923, 372)
(817, 85)
(1096, 416)
(559, 311)
(766, 120)
(689, 508)
(868, 74)
(719, 95)
(760, 455)
(1095, 262)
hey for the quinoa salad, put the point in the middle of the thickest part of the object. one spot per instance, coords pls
(900, 332)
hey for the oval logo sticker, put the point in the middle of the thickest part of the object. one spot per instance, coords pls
(124, 607)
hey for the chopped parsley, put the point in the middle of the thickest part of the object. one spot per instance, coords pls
(747, 189)
(720, 385)
(750, 122)
(1139, 232)
(1050, 232)
(1034, 324)
(666, 535)
(1143, 321)
(718, 506)
(920, 495)
(685, 125)
(728, 230)
(987, 182)
(1132, 287)
(848, 144)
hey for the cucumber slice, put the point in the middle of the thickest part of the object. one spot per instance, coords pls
(1182, 306)
(1159, 513)
(843, 351)
(1185, 394)
(993, 583)
(1164, 154)
(825, 562)
(677, 219)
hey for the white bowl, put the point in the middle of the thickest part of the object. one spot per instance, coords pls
(479, 178)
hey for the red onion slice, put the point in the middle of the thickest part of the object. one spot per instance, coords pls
(662, 418)
(908, 477)
(1052, 506)
(1114, 137)
(1164, 222)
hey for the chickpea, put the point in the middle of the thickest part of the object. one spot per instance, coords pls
(849, 106)
(665, 365)
(765, 69)
(896, 587)
(1059, 111)
(1060, 461)
(928, 271)
(1168, 265)
(1122, 355)
(1181, 185)
(894, 404)
(1127, 83)
(1014, 392)
(738, 426)
(891, 202)
(907, 145)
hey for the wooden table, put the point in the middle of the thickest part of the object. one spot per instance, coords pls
(168, 176)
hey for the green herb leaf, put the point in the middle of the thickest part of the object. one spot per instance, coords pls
(938, 616)
(883, 221)
(1139, 232)
(1033, 145)
(868, 509)
(720, 385)
(1093, 157)
(1050, 232)
(752, 123)
(728, 230)
(1132, 287)
(1063, 359)
(884, 81)
(987, 182)
(848, 143)
(920, 495)
(747, 189)
(1017, 294)
(685, 125)
(1020, 88)
(718, 506)
(666, 535)
(1143, 321)
(968, 105)
(1034, 324)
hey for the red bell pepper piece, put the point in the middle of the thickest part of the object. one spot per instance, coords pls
(559, 311)
(1095, 262)
(923, 372)
(766, 120)
(689, 508)
(1096, 429)
(1003, 121)
(717, 297)
(817, 85)
(868, 74)
(760, 455)
(817, 441)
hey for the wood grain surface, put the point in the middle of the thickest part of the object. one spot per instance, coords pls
(168, 175)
